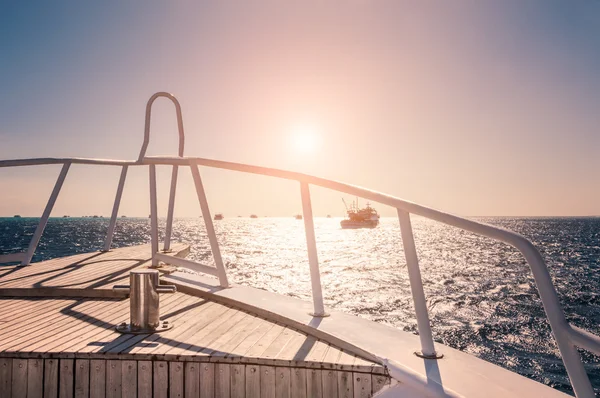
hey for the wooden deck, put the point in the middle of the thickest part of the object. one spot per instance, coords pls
(69, 344)
(81, 275)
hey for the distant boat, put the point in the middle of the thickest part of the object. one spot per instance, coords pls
(253, 216)
(94, 216)
(360, 218)
(66, 216)
(218, 216)
(328, 215)
(298, 216)
(123, 216)
(17, 216)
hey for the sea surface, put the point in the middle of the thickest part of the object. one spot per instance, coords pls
(481, 296)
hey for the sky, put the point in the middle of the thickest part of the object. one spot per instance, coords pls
(471, 107)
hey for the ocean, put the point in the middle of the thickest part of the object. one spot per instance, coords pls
(481, 295)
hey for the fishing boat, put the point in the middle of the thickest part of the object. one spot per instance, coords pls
(367, 217)
(218, 216)
(253, 216)
(17, 216)
(298, 216)
(146, 321)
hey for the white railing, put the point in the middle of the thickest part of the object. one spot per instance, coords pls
(568, 337)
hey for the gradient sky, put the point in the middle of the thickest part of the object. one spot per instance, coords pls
(472, 107)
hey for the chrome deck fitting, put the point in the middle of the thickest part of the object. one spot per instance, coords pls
(144, 315)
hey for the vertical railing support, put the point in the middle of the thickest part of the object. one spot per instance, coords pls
(153, 215)
(416, 287)
(115, 211)
(210, 228)
(44, 220)
(169, 227)
(313, 260)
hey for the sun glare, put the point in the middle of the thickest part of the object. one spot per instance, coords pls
(305, 139)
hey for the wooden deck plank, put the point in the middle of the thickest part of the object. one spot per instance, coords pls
(65, 378)
(82, 378)
(222, 380)
(317, 353)
(298, 383)
(113, 378)
(251, 339)
(289, 351)
(205, 330)
(37, 320)
(277, 345)
(207, 380)
(314, 383)
(203, 347)
(345, 384)
(238, 381)
(252, 381)
(19, 378)
(129, 378)
(31, 312)
(35, 378)
(267, 382)
(283, 382)
(6, 376)
(97, 378)
(192, 380)
(62, 330)
(41, 331)
(176, 387)
(266, 340)
(329, 382)
(235, 327)
(224, 346)
(51, 378)
(144, 378)
(160, 379)
(362, 385)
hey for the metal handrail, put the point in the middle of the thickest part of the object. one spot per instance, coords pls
(170, 212)
(567, 336)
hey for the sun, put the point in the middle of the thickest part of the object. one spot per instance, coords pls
(305, 138)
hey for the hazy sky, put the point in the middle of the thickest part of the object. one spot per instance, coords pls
(472, 107)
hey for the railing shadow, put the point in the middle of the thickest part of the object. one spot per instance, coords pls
(137, 341)
(100, 280)
(76, 265)
(434, 378)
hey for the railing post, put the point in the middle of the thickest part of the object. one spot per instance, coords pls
(44, 220)
(153, 215)
(416, 287)
(210, 228)
(169, 227)
(313, 260)
(115, 211)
